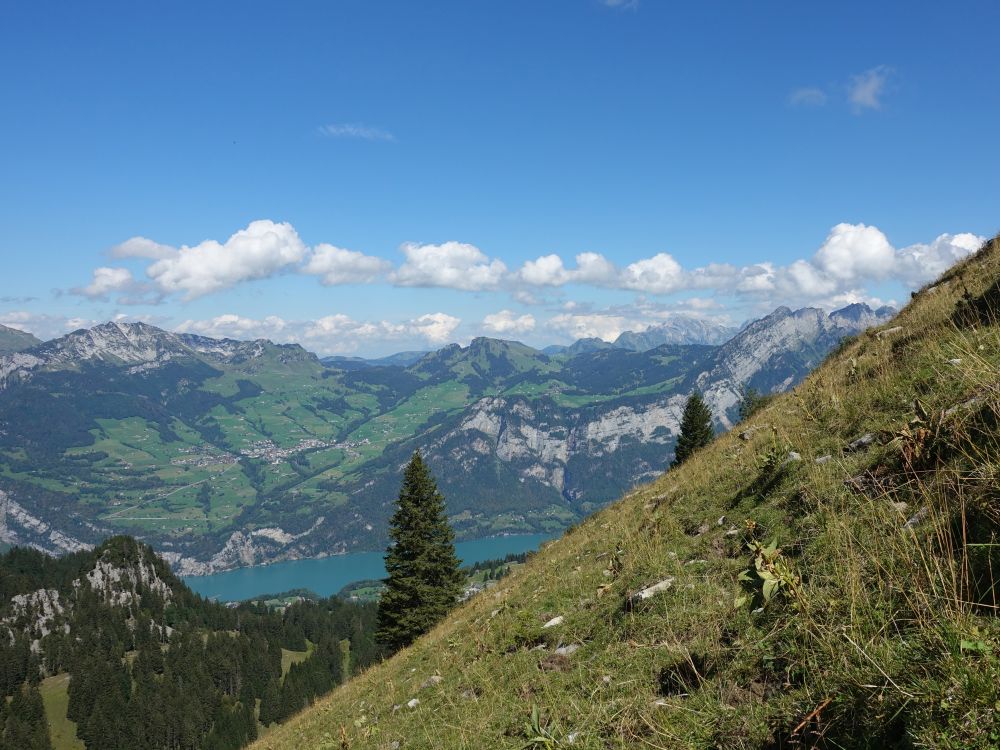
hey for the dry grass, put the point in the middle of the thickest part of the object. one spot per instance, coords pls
(883, 634)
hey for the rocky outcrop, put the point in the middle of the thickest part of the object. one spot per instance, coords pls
(19, 527)
(246, 549)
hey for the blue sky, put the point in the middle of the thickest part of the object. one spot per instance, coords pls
(390, 173)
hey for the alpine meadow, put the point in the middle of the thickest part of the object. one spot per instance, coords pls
(584, 375)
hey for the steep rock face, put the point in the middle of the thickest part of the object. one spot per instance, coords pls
(680, 329)
(19, 527)
(245, 549)
(775, 352)
(121, 585)
(541, 445)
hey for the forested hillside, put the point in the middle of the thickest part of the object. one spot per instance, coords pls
(107, 649)
(823, 576)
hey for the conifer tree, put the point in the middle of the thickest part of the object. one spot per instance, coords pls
(424, 580)
(696, 429)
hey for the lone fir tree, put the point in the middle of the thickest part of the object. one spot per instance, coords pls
(424, 581)
(696, 429)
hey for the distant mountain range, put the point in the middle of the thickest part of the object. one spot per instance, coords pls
(224, 453)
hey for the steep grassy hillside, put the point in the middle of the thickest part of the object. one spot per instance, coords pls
(825, 580)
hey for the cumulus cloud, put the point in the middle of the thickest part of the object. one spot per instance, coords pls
(263, 249)
(335, 265)
(331, 334)
(506, 322)
(920, 263)
(602, 325)
(141, 247)
(855, 251)
(851, 257)
(356, 130)
(230, 326)
(660, 274)
(105, 281)
(866, 89)
(454, 265)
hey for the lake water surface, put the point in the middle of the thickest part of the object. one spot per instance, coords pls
(329, 575)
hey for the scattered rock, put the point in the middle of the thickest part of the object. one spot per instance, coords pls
(554, 622)
(568, 650)
(733, 531)
(540, 647)
(468, 695)
(649, 592)
(824, 459)
(861, 443)
(917, 517)
(413, 703)
(434, 679)
(696, 562)
(792, 458)
(888, 332)
(572, 737)
(721, 521)
(748, 434)
(703, 529)
(955, 361)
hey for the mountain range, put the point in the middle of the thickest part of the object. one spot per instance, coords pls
(224, 453)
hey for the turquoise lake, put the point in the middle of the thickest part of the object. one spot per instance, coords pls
(329, 575)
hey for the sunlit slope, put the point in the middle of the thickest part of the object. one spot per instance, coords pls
(880, 627)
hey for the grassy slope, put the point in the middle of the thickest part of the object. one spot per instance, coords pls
(872, 643)
(55, 696)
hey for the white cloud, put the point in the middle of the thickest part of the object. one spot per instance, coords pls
(606, 326)
(621, 4)
(330, 334)
(356, 130)
(866, 89)
(335, 265)
(141, 247)
(437, 328)
(507, 322)
(263, 249)
(105, 281)
(854, 251)
(660, 274)
(808, 96)
(453, 265)
(547, 270)
(233, 326)
(920, 263)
